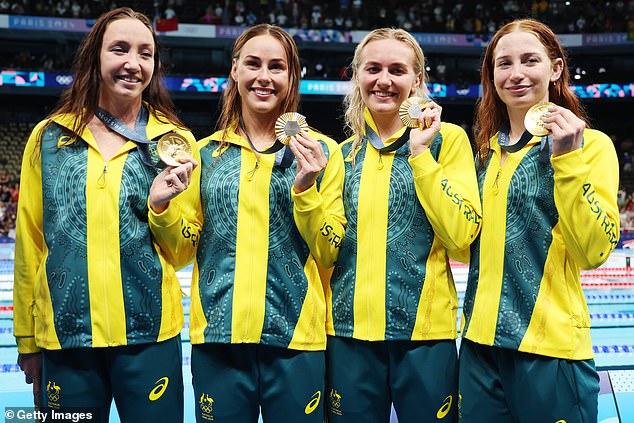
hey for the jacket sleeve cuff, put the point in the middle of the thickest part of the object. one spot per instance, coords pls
(167, 217)
(568, 163)
(26, 345)
(423, 164)
(307, 200)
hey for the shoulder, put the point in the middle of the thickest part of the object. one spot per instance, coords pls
(347, 144)
(596, 136)
(597, 144)
(451, 130)
(39, 127)
(66, 120)
(215, 137)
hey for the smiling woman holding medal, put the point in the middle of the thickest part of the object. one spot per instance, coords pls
(95, 297)
(410, 197)
(272, 210)
(549, 187)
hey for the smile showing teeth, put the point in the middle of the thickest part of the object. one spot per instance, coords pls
(262, 91)
(129, 79)
(383, 94)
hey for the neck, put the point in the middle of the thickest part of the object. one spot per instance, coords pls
(261, 128)
(387, 125)
(126, 112)
(516, 121)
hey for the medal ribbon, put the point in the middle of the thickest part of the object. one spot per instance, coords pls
(283, 155)
(146, 147)
(377, 143)
(504, 139)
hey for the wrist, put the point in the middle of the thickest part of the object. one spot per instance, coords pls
(159, 208)
(301, 188)
(416, 149)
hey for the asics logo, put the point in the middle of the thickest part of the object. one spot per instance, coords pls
(444, 409)
(313, 403)
(159, 389)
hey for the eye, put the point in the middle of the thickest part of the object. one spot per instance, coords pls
(277, 67)
(372, 69)
(251, 64)
(147, 54)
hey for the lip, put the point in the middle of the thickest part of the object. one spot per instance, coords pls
(262, 92)
(128, 79)
(518, 89)
(383, 95)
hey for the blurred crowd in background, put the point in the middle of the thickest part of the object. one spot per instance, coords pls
(480, 17)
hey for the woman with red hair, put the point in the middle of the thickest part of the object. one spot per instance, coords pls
(549, 208)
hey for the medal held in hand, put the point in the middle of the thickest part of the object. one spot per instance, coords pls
(411, 110)
(172, 147)
(289, 125)
(533, 120)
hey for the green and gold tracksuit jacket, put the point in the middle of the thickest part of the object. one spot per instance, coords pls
(392, 280)
(256, 276)
(544, 218)
(88, 272)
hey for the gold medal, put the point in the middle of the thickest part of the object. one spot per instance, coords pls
(411, 110)
(533, 120)
(289, 125)
(172, 147)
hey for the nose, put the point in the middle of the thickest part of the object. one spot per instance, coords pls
(264, 74)
(132, 63)
(384, 78)
(517, 71)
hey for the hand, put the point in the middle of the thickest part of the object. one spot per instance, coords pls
(311, 161)
(566, 127)
(429, 126)
(31, 365)
(171, 182)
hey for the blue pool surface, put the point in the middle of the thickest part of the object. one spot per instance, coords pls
(611, 311)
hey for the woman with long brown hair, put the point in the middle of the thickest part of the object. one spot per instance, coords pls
(270, 218)
(549, 209)
(96, 298)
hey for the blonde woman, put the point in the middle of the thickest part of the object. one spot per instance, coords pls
(410, 197)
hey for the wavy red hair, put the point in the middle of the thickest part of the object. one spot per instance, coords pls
(491, 111)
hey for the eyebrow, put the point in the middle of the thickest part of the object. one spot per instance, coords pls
(506, 56)
(372, 62)
(117, 41)
(252, 56)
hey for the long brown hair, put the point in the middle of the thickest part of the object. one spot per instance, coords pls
(491, 111)
(82, 98)
(231, 102)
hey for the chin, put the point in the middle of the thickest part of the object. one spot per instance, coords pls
(384, 107)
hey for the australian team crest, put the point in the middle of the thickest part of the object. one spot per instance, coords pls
(206, 404)
(335, 402)
(53, 392)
